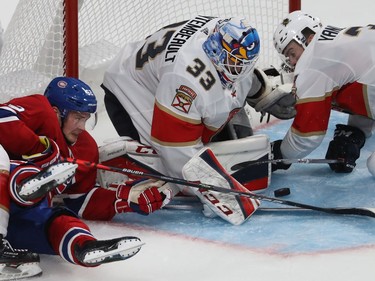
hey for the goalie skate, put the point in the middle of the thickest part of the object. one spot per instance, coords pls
(98, 252)
(46, 180)
(17, 263)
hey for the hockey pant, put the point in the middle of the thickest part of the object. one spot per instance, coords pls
(46, 230)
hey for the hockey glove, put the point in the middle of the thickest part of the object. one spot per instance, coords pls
(346, 144)
(276, 153)
(142, 196)
(47, 157)
(274, 97)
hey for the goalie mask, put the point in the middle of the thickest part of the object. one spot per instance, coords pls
(294, 27)
(71, 94)
(233, 47)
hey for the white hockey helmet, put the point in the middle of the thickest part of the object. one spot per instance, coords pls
(294, 27)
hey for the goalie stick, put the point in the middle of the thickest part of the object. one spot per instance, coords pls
(188, 203)
(369, 212)
(286, 161)
(188, 207)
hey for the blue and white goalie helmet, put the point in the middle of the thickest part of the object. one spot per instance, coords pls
(71, 94)
(233, 47)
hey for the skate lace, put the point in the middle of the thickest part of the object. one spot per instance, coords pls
(8, 247)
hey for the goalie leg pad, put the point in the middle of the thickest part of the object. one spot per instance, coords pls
(233, 152)
(115, 153)
(205, 167)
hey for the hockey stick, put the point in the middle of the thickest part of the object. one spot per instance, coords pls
(286, 161)
(189, 203)
(369, 212)
(189, 207)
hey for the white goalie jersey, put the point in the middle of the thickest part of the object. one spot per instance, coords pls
(173, 93)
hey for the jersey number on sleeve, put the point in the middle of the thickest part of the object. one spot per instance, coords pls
(355, 30)
(152, 50)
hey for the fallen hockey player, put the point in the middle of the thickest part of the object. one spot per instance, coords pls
(57, 230)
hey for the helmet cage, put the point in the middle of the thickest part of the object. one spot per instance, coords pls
(233, 47)
(234, 67)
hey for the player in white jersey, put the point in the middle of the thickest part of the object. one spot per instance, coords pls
(169, 76)
(178, 88)
(1, 37)
(14, 263)
(334, 69)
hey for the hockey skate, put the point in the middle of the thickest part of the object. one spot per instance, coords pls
(46, 180)
(17, 263)
(97, 252)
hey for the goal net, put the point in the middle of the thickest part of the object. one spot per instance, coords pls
(49, 38)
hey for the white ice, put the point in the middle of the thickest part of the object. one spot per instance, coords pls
(184, 245)
(297, 245)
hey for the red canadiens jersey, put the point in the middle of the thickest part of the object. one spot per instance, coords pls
(23, 120)
(336, 71)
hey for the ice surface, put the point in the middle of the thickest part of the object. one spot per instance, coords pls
(271, 245)
(307, 245)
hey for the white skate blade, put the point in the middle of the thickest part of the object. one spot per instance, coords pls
(123, 249)
(22, 271)
(59, 173)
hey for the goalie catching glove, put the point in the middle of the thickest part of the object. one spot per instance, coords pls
(142, 196)
(273, 97)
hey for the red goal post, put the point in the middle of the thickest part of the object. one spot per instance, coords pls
(79, 38)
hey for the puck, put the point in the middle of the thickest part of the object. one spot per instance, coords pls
(282, 192)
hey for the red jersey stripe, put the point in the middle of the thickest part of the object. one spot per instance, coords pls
(171, 129)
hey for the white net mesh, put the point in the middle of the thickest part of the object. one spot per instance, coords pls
(33, 52)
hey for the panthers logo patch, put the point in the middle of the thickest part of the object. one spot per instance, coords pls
(183, 99)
